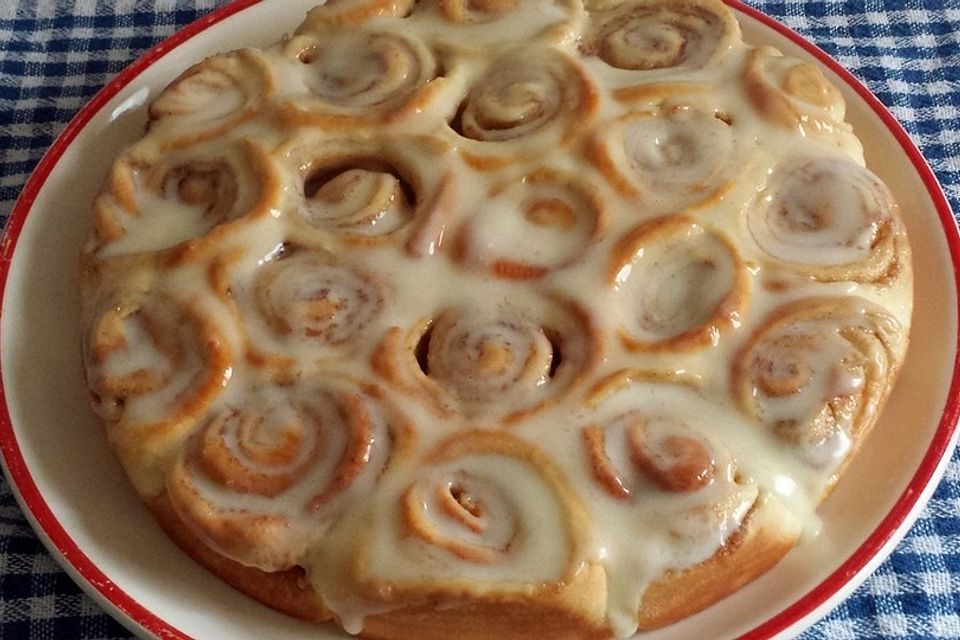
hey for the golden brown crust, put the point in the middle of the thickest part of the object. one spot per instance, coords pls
(287, 591)
(767, 534)
(514, 618)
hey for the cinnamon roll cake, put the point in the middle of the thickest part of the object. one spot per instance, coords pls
(494, 318)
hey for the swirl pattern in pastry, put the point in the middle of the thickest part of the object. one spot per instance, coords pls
(500, 362)
(212, 97)
(481, 504)
(831, 219)
(154, 201)
(793, 94)
(528, 101)
(649, 447)
(266, 475)
(815, 372)
(643, 35)
(154, 364)
(153, 350)
(678, 284)
(459, 507)
(362, 192)
(675, 157)
(301, 305)
(664, 452)
(360, 78)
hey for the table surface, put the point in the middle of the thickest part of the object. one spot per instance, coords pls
(55, 54)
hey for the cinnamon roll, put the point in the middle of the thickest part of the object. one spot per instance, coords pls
(532, 100)
(651, 448)
(646, 35)
(671, 158)
(529, 227)
(459, 507)
(154, 363)
(479, 505)
(367, 192)
(830, 219)
(300, 305)
(677, 285)
(498, 363)
(816, 371)
(361, 78)
(154, 201)
(792, 94)
(660, 452)
(213, 97)
(264, 477)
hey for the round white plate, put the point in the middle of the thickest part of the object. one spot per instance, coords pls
(78, 500)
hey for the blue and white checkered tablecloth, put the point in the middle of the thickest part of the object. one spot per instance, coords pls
(55, 54)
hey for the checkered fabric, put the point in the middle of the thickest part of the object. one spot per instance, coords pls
(55, 54)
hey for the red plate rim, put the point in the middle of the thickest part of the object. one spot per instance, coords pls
(59, 540)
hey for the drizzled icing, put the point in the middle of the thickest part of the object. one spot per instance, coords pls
(676, 285)
(488, 504)
(494, 303)
(212, 97)
(560, 207)
(301, 303)
(312, 443)
(158, 201)
(676, 157)
(354, 71)
(814, 371)
(830, 217)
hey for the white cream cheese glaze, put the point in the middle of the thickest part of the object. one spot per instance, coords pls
(480, 295)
